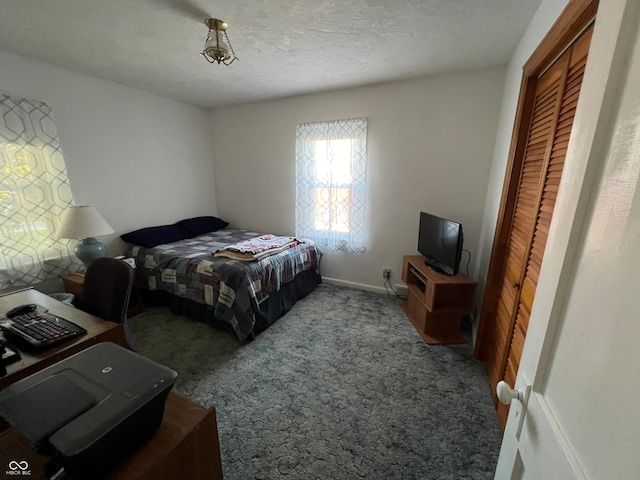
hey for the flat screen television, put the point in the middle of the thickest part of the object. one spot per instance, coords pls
(440, 242)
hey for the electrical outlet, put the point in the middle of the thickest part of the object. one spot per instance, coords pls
(386, 273)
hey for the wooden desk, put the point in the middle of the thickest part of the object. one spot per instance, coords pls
(185, 446)
(33, 360)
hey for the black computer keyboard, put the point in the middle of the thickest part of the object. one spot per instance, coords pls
(41, 329)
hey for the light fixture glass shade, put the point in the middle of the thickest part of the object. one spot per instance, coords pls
(84, 223)
(216, 44)
(216, 50)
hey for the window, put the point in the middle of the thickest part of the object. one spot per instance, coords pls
(330, 183)
(34, 190)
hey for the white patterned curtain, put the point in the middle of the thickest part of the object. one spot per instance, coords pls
(331, 159)
(34, 190)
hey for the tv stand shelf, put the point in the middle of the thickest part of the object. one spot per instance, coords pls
(436, 303)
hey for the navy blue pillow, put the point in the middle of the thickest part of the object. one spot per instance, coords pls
(152, 236)
(201, 225)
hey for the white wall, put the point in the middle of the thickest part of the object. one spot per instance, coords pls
(596, 352)
(141, 159)
(430, 142)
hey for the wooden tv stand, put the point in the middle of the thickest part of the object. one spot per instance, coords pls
(436, 303)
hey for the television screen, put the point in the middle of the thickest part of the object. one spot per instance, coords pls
(440, 242)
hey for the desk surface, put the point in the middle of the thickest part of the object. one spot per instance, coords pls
(185, 446)
(32, 360)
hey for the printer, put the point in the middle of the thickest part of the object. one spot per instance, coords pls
(90, 410)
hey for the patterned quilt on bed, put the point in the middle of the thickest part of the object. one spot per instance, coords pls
(232, 288)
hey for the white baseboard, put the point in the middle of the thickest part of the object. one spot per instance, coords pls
(400, 289)
(360, 286)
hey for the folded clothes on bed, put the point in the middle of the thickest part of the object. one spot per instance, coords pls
(257, 248)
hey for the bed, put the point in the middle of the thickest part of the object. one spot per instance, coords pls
(244, 297)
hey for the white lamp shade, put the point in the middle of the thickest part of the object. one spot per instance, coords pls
(82, 222)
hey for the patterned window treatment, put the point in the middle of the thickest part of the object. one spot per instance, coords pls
(34, 190)
(331, 160)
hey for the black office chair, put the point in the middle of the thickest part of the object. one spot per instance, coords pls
(107, 288)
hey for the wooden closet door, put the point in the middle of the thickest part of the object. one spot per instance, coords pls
(556, 98)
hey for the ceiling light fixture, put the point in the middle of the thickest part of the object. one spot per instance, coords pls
(215, 48)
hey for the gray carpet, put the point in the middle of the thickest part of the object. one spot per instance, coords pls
(342, 387)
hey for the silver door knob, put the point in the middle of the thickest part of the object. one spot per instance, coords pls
(506, 393)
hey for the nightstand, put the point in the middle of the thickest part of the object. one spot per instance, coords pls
(74, 283)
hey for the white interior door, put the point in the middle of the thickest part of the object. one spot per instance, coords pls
(584, 324)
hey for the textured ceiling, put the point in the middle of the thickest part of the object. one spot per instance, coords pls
(285, 47)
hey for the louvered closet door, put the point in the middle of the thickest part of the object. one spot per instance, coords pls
(556, 97)
(543, 120)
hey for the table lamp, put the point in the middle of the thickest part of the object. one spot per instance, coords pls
(84, 223)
